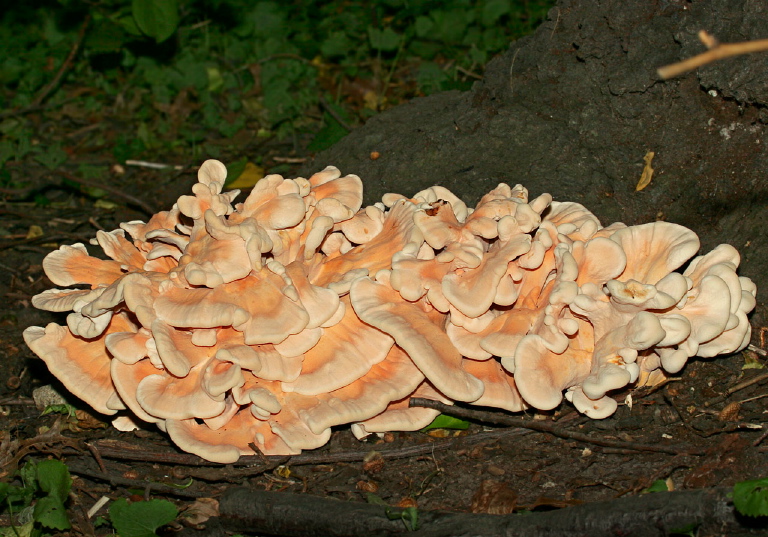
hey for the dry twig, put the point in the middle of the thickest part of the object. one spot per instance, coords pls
(717, 51)
(550, 428)
(171, 490)
(334, 114)
(120, 450)
(66, 66)
(733, 389)
(146, 207)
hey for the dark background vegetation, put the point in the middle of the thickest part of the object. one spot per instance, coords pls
(227, 79)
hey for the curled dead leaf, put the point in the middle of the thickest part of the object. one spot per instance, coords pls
(367, 486)
(647, 175)
(494, 498)
(200, 511)
(373, 462)
(730, 412)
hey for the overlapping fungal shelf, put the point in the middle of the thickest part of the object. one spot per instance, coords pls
(269, 321)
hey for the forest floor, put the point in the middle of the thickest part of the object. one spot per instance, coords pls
(702, 429)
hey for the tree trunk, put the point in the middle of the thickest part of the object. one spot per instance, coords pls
(574, 108)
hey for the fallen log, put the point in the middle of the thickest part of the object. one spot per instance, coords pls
(705, 511)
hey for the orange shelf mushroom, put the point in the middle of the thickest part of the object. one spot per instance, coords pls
(267, 322)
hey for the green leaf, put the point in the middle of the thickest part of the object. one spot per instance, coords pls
(331, 133)
(7, 151)
(336, 44)
(447, 422)
(16, 497)
(28, 475)
(64, 408)
(141, 519)
(52, 158)
(215, 79)
(51, 32)
(266, 19)
(450, 25)
(493, 10)
(128, 24)
(156, 18)
(25, 530)
(751, 497)
(688, 530)
(235, 170)
(423, 26)
(228, 130)
(375, 499)
(23, 147)
(53, 478)
(5, 490)
(50, 512)
(385, 40)
(431, 78)
(410, 518)
(660, 485)
(105, 36)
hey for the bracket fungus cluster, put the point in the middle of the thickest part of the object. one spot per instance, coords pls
(267, 322)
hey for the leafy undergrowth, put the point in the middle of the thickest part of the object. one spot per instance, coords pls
(36, 506)
(86, 85)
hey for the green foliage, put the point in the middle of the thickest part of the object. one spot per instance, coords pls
(46, 485)
(157, 19)
(141, 519)
(409, 515)
(660, 485)
(751, 497)
(689, 530)
(332, 131)
(54, 157)
(180, 73)
(447, 422)
(64, 408)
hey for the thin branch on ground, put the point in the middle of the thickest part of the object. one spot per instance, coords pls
(334, 114)
(733, 389)
(299, 515)
(146, 207)
(97, 456)
(154, 165)
(66, 66)
(171, 490)
(549, 428)
(717, 51)
(121, 450)
(47, 239)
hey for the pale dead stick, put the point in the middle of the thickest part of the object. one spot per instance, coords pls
(717, 51)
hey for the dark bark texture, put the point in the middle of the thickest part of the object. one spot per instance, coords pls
(708, 512)
(573, 109)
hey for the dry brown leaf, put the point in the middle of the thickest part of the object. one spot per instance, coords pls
(200, 511)
(250, 176)
(730, 412)
(647, 175)
(494, 498)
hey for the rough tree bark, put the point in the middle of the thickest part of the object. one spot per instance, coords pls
(275, 513)
(573, 109)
